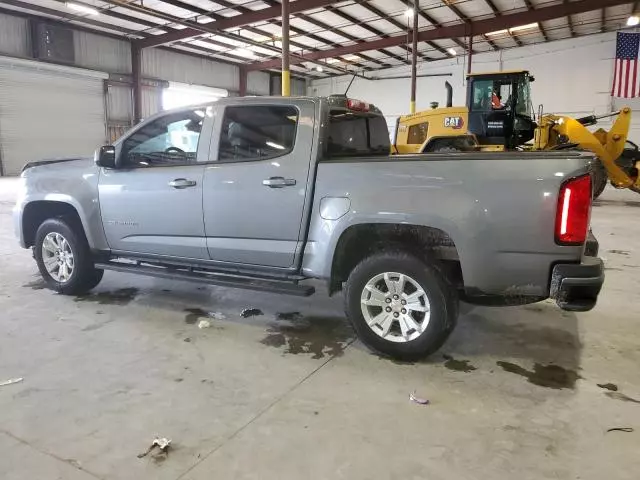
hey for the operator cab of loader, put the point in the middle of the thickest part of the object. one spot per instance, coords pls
(500, 108)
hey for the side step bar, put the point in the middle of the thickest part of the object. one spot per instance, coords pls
(222, 280)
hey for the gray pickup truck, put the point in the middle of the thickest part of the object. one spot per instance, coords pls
(265, 193)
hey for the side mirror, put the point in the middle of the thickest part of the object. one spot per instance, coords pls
(105, 156)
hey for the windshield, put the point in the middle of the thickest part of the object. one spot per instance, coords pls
(524, 97)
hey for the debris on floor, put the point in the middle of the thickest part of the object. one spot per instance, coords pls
(204, 324)
(418, 400)
(609, 386)
(11, 381)
(158, 446)
(250, 312)
(621, 429)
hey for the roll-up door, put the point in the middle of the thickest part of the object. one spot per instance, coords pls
(48, 111)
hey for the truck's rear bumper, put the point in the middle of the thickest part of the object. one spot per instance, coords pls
(575, 286)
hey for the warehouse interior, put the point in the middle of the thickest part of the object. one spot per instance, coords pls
(250, 384)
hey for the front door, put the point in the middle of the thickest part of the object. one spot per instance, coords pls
(152, 203)
(256, 186)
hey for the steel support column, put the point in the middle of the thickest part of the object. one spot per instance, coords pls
(136, 74)
(414, 57)
(286, 74)
(242, 82)
(469, 53)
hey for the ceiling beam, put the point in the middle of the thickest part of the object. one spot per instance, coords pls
(542, 30)
(231, 22)
(242, 9)
(498, 13)
(466, 19)
(479, 27)
(569, 21)
(398, 25)
(436, 24)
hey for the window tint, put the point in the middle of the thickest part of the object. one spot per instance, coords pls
(257, 132)
(353, 134)
(417, 133)
(168, 140)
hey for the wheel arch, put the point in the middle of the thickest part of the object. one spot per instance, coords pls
(37, 211)
(362, 240)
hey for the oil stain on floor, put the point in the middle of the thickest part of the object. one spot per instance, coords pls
(458, 365)
(550, 376)
(317, 336)
(122, 296)
(621, 396)
(608, 386)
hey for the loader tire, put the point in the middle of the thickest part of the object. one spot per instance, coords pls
(600, 180)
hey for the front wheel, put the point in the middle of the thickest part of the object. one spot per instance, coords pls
(64, 258)
(400, 306)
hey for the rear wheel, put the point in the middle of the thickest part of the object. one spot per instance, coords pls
(400, 306)
(64, 258)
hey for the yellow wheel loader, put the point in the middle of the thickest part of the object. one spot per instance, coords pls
(498, 116)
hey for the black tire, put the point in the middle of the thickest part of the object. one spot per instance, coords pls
(84, 275)
(600, 179)
(442, 298)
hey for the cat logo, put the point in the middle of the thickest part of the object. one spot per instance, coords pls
(453, 122)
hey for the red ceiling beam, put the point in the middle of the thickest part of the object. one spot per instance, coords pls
(233, 22)
(479, 27)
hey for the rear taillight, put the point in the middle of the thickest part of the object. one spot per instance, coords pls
(574, 207)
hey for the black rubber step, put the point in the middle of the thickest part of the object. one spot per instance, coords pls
(220, 279)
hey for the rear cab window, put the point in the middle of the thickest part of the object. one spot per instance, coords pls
(355, 128)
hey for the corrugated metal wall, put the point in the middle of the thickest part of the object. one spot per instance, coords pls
(175, 67)
(298, 86)
(14, 36)
(102, 53)
(258, 83)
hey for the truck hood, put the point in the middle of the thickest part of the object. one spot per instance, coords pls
(51, 161)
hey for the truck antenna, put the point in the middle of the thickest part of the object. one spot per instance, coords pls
(349, 86)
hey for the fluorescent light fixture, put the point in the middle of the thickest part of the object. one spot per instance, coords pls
(351, 58)
(408, 13)
(633, 20)
(528, 26)
(520, 28)
(243, 52)
(333, 60)
(82, 8)
(319, 68)
(452, 51)
(497, 33)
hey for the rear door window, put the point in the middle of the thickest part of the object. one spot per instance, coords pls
(353, 134)
(257, 132)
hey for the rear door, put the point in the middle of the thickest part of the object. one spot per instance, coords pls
(256, 184)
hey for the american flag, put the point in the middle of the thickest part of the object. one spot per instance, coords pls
(626, 81)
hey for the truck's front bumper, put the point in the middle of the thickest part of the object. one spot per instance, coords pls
(575, 286)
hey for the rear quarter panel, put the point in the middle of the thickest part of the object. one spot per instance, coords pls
(499, 209)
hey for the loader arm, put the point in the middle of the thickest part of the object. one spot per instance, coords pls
(607, 145)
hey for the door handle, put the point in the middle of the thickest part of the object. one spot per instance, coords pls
(279, 182)
(182, 183)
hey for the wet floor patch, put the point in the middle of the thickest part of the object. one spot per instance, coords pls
(621, 396)
(122, 296)
(195, 314)
(617, 203)
(619, 252)
(549, 376)
(290, 316)
(315, 336)
(608, 386)
(38, 284)
(458, 365)
(250, 312)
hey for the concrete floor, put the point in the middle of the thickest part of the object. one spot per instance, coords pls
(262, 398)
